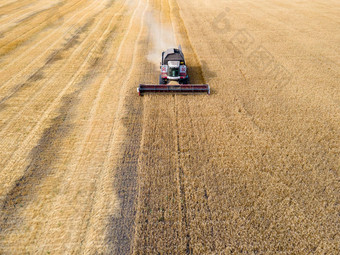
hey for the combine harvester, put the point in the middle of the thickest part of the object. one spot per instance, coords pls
(173, 70)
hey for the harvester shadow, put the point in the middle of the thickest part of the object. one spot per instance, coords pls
(208, 74)
(196, 74)
(197, 77)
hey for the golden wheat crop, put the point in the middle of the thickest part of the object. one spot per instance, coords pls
(88, 167)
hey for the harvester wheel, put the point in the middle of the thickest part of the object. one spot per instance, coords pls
(185, 81)
(161, 81)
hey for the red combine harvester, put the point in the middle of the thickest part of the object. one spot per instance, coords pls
(173, 68)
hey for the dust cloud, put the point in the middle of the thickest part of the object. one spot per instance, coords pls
(162, 38)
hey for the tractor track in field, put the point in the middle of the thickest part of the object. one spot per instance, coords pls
(182, 238)
(181, 187)
(195, 71)
(150, 217)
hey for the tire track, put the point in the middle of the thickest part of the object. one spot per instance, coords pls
(196, 76)
(159, 215)
(196, 73)
(182, 203)
(186, 239)
(159, 220)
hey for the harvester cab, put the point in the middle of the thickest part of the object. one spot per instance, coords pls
(173, 69)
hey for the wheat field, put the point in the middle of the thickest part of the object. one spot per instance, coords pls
(89, 167)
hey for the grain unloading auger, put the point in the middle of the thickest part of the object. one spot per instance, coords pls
(173, 70)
